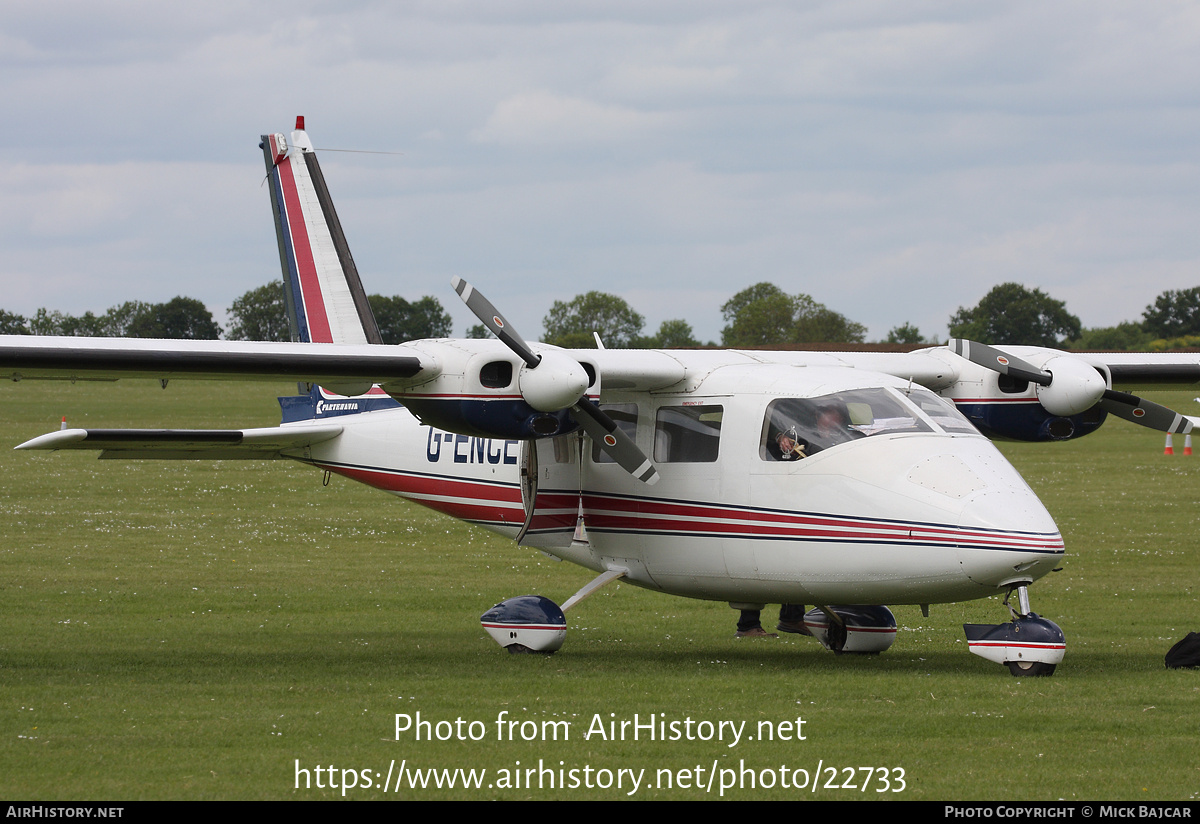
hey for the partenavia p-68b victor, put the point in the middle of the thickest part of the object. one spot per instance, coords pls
(846, 480)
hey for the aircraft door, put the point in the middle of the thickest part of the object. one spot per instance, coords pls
(550, 490)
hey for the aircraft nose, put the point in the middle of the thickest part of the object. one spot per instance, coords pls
(1005, 532)
(932, 517)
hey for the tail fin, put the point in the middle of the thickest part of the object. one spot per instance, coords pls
(325, 298)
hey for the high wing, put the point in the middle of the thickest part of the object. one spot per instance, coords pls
(1147, 371)
(938, 368)
(73, 358)
(68, 358)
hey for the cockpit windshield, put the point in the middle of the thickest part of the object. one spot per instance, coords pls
(798, 427)
(941, 411)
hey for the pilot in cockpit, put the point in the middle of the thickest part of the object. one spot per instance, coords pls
(801, 428)
(833, 425)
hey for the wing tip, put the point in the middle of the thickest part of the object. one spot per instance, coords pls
(54, 440)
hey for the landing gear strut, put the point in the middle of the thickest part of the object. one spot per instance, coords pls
(1029, 645)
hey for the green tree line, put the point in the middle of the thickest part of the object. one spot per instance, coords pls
(260, 314)
(761, 315)
(1013, 313)
(179, 317)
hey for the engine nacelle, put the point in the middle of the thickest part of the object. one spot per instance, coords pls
(1011, 408)
(485, 390)
(1029, 421)
(505, 418)
(1076, 387)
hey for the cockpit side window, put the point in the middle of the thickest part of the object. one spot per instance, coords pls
(625, 416)
(687, 434)
(795, 428)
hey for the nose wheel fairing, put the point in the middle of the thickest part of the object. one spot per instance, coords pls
(1029, 644)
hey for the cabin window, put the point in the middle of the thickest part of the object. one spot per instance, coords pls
(687, 434)
(796, 428)
(624, 415)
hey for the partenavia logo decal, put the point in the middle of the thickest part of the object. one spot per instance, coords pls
(326, 406)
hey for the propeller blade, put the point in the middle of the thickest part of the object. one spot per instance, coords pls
(494, 321)
(1145, 413)
(613, 440)
(991, 358)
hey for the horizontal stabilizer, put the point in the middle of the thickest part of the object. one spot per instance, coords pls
(188, 444)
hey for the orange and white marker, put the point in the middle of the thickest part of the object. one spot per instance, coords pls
(64, 423)
(1187, 444)
(1168, 449)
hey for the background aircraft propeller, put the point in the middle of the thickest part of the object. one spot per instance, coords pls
(1068, 386)
(551, 381)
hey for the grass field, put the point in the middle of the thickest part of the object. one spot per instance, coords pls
(192, 630)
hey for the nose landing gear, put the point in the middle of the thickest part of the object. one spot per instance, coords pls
(1029, 645)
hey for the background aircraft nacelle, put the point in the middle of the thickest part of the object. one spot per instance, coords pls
(1010, 407)
(1018, 420)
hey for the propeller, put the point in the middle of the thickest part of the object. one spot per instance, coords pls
(1144, 412)
(552, 380)
(1067, 386)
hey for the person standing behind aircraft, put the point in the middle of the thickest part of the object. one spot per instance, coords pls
(791, 619)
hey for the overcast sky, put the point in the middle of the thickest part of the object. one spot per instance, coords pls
(893, 160)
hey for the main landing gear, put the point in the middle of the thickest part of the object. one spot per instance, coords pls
(528, 623)
(857, 629)
(1029, 644)
(533, 623)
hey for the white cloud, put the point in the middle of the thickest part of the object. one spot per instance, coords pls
(893, 160)
(540, 118)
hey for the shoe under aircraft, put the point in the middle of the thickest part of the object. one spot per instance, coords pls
(846, 480)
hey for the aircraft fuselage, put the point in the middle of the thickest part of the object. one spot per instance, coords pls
(903, 502)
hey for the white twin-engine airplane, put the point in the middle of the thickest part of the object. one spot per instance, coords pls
(846, 480)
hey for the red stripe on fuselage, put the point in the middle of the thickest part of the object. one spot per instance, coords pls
(641, 515)
(475, 501)
(968, 401)
(499, 503)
